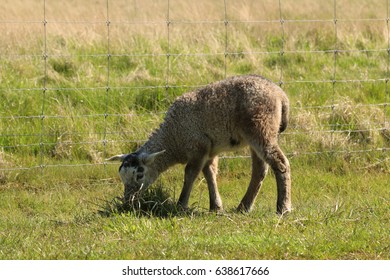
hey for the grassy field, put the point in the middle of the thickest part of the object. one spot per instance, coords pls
(336, 216)
(91, 83)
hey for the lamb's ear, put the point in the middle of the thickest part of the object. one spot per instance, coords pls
(149, 158)
(117, 158)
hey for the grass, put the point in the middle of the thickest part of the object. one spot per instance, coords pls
(59, 198)
(336, 216)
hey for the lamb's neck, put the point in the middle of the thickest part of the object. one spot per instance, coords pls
(158, 142)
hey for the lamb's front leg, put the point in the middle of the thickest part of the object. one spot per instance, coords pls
(192, 171)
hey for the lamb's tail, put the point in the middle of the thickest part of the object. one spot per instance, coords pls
(285, 112)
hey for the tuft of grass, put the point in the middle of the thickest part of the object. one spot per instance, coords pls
(154, 202)
(63, 67)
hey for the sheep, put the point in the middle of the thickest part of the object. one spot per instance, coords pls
(239, 111)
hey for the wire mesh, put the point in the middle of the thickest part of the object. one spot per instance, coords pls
(331, 123)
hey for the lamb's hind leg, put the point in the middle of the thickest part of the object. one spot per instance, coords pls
(210, 171)
(274, 156)
(259, 170)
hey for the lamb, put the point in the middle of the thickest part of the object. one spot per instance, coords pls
(223, 116)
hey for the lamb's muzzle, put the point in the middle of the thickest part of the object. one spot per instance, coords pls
(223, 116)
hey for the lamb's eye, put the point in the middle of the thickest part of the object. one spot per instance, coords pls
(139, 177)
(140, 169)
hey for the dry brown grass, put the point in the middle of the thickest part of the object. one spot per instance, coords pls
(86, 20)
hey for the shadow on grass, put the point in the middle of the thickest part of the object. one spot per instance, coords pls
(155, 202)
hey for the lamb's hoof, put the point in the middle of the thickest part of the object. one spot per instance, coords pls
(243, 209)
(182, 208)
(283, 211)
(217, 209)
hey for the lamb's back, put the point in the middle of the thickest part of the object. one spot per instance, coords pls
(217, 112)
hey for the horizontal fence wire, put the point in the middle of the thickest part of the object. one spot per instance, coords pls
(105, 137)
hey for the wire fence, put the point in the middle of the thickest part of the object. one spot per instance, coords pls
(337, 121)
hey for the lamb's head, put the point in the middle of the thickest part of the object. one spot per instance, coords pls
(137, 172)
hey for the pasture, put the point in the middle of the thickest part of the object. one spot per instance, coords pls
(83, 80)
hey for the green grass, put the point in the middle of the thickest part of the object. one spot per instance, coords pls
(59, 197)
(336, 216)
